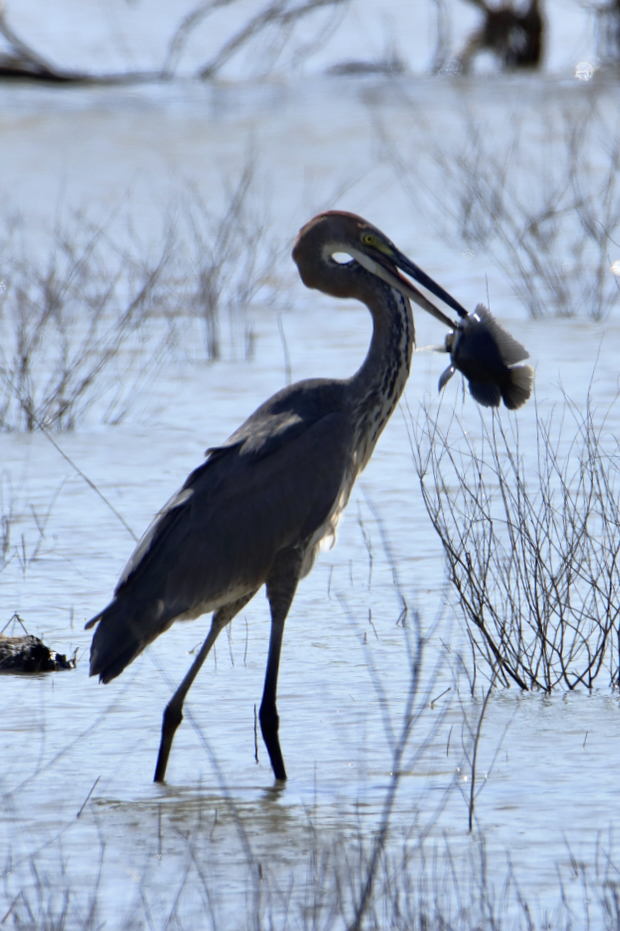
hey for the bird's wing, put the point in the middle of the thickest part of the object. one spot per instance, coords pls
(216, 539)
(261, 436)
(269, 434)
(222, 530)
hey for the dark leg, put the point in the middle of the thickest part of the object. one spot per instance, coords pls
(281, 588)
(173, 715)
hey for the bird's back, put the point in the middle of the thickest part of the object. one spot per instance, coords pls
(274, 484)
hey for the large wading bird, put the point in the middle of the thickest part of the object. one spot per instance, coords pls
(254, 513)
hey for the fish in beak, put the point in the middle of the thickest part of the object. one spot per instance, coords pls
(483, 351)
(490, 359)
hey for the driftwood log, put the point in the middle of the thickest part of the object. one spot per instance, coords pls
(29, 654)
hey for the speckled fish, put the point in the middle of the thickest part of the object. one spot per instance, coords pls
(489, 358)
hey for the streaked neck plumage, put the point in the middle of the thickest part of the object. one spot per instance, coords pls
(378, 385)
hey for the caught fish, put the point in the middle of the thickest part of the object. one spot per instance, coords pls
(490, 359)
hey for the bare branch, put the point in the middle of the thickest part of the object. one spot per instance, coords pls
(276, 14)
(533, 554)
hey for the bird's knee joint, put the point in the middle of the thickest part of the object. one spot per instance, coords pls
(173, 715)
(269, 720)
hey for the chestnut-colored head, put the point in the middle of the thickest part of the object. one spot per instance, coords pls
(338, 232)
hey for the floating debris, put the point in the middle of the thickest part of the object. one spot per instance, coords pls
(29, 654)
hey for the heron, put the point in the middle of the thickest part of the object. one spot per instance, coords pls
(255, 511)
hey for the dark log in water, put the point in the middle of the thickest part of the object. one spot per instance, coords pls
(29, 654)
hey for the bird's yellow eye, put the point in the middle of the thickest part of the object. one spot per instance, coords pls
(368, 239)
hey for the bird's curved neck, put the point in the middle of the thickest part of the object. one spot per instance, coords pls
(380, 382)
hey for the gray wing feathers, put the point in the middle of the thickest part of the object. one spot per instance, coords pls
(221, 532)
(261, 436)
(170, 512)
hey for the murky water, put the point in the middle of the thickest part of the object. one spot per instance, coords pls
(218, 845)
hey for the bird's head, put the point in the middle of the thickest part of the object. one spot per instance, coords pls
(337, 251)
(332, 248)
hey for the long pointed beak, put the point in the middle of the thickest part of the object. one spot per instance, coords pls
(387, 267)
(415, 272)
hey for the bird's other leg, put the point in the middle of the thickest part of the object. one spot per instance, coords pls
(281, 586)
(173, 715)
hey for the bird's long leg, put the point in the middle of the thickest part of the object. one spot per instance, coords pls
(281, 588)
(173, 715)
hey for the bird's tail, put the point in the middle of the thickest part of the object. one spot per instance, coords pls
(519, 387)
(119, 638)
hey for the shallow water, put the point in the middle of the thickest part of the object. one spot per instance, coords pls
(78, 758)
(553, 782)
